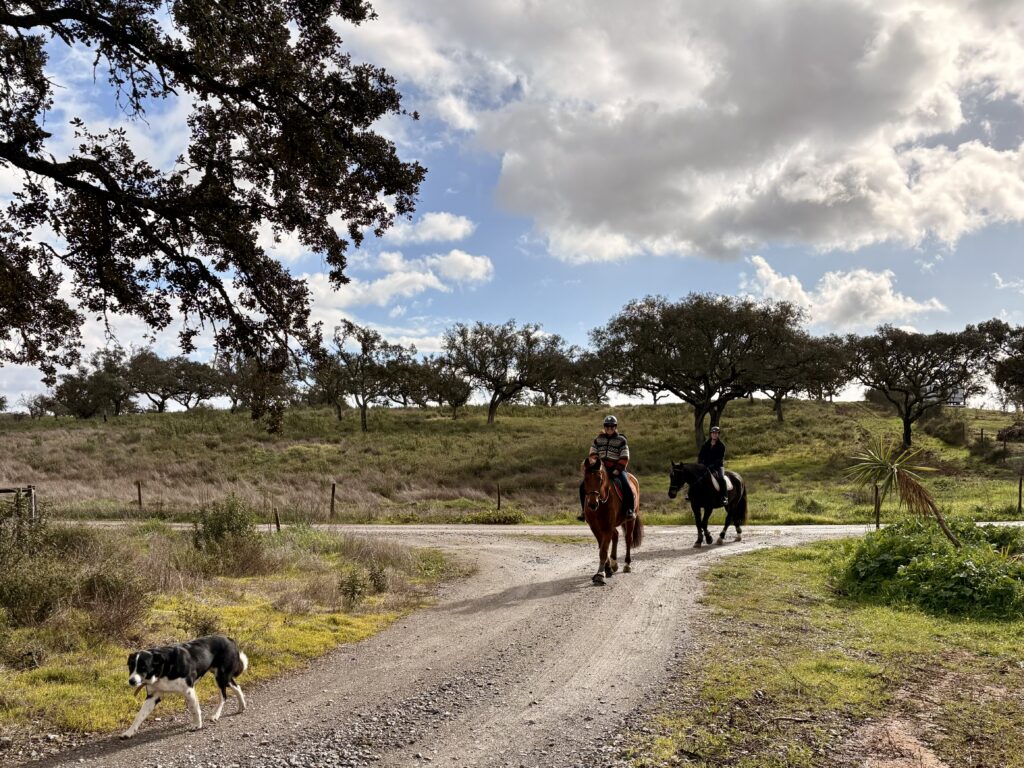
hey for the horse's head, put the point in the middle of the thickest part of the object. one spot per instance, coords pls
(678, 477)
(595, 483)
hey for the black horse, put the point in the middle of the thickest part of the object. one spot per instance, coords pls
(703, 494)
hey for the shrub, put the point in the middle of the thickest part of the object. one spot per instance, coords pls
(911, 562)
(1011, 434)
(116, 600)
(496, 517)
(33, 589)
(226, 533)
(807, 505)
(354, 585)
(196, 620)
(222, 521)
(972, 580)
(950, 431)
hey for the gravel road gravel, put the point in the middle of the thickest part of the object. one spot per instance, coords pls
(525, 663)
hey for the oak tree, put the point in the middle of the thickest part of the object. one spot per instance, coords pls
(281, 138)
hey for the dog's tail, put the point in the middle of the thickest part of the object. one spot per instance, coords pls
(242, 663)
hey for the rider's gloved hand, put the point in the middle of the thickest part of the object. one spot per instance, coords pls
(617, 472)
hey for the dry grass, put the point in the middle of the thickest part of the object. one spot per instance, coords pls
(417, 466)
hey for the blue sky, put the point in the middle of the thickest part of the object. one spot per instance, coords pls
(863, 158)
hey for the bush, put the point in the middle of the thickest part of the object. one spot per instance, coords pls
(223, 521)
(116, 600)
(226, 533)
(496, 517)
(972, 580)
(1011, 434)
(911, 562)
(950, 431)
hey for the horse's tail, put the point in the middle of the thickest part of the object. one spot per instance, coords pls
(741, 507)
(638, 531)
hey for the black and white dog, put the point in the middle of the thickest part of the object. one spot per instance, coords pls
(177, 668)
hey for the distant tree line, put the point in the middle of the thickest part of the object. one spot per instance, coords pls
(706, 350)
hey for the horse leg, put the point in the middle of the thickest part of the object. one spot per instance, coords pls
(613, 562)
(628, 530)
(739, 533)
(728, 519)
(707, 520)
(605, 541)
(696, 520)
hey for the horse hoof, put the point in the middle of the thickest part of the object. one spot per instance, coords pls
(627, 569)
(615, 567)
(720, 541)
(738, 538)
(598, 579)
(699, 544)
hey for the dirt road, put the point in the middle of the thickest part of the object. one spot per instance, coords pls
(523, 664)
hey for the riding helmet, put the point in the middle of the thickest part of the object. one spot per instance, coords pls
(611, 421)
(715, 429)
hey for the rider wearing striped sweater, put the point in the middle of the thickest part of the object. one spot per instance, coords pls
(613, 451)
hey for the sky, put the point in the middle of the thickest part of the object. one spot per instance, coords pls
(863, 158)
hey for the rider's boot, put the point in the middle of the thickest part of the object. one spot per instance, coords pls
(630, 513)
(725, 500)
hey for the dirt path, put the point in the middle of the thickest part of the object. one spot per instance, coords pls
(523, 664)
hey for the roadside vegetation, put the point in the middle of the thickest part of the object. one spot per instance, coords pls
(74, 601)
(419, 465)
(896, 646)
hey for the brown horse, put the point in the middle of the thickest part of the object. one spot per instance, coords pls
(604, 514)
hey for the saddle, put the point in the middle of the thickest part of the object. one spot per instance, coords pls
(714, 481)
(616, 483)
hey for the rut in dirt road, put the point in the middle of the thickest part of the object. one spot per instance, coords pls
(525, 663)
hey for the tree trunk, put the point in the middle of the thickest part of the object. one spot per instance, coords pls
(337, 410)
(698, 426)
(878, 509)
(778, 407)
(492, 409)
(906, 432)
(362, 417)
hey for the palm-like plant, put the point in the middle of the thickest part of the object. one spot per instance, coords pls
(887, 467)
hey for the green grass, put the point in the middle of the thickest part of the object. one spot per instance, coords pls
(67, 674)
(787, 670)
(421, 466)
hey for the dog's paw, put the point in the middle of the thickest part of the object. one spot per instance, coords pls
(213, 718)
(127, 734)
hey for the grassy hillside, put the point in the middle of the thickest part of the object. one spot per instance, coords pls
(421, 465)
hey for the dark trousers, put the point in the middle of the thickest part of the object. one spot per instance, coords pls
(627, 492)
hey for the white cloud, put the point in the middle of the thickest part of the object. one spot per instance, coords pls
(859, 298)
(463, 267)
(432, 227)
(1012, 284)
(694, 127)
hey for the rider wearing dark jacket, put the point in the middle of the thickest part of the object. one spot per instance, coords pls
(712, 456)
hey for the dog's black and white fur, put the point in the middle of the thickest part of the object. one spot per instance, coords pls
(177, 668)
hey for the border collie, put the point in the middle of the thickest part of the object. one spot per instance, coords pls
(177, 668)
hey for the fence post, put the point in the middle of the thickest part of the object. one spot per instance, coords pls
(499, 495)
(32, 500)
(277, 520)
(334, 488)
(1020, 489)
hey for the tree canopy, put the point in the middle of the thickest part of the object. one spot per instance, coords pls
(705, 349)
(917, 372)
(281, 137)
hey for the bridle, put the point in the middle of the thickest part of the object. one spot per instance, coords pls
(596, 494)
(675, 484)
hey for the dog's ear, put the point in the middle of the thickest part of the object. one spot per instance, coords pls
(131, 661)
